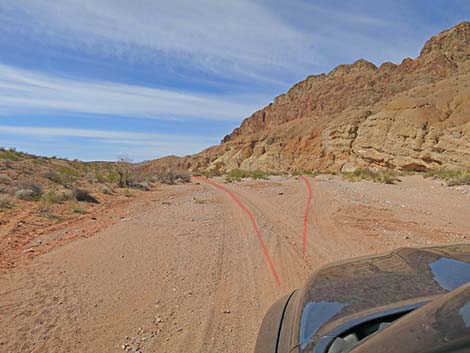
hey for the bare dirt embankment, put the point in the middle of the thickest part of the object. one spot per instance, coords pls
(182, 270)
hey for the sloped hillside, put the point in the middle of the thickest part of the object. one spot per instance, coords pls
(411, 116)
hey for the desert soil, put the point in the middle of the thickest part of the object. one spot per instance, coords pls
(182, 270)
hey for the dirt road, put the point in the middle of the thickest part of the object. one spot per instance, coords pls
(182, 270)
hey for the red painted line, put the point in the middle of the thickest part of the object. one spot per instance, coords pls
(307, 211)
(253, 223)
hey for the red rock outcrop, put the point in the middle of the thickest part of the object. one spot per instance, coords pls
(411, 116)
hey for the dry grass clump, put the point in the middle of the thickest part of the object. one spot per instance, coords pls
(452, 177)
(384, 176)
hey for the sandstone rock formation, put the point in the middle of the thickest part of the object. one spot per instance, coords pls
(411, 116)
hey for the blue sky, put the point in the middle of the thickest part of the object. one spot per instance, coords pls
(94, 79)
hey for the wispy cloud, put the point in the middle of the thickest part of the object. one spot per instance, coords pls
(229, 38)
(272, 43)
(342, 15)
(95, 63)
(23, 91)
(70, 132)
(138, 145)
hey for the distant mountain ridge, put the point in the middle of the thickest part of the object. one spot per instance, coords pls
(411, 116)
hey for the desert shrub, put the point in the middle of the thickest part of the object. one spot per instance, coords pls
(230, 179)
(101, 178)
(5, 202)
(171, 177)
(270, 140)
(107, 190)
(385, 176)
(7, 164)
(83, 195)
(76, 208)
(28, 190)
(5, 179)
(128, 193)
(237, 175)
(38, 161)
(9, 154)
(141, 185)
(143, 181)
(112, 177)
(182, 175)
(452, 177)
(53, 176)
(68, 175)
(211, 173)
(462, 179)
(52, 197)
(258, 174)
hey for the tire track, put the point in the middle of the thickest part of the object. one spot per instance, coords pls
(253, 223)
(243, 288)
(281, 226)
(307, 211)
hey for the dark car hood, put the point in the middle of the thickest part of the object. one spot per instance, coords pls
(345, 292)
(440, 326)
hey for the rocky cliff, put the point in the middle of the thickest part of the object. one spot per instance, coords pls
(411, 116)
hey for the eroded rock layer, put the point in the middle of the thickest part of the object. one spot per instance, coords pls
(411, 116)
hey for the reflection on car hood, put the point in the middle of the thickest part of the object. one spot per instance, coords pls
(442, 325)
(349, 290)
